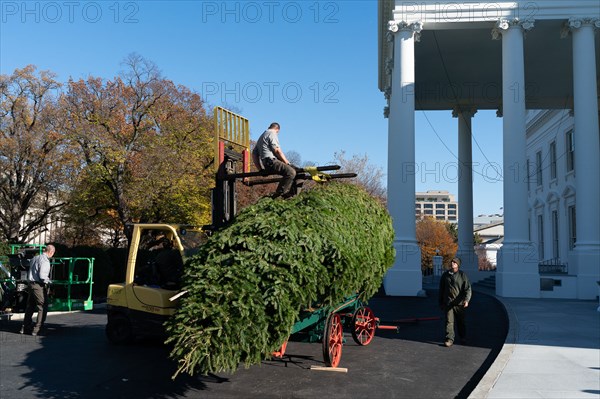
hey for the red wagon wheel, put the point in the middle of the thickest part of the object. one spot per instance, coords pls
(332, 340)
(363, 325)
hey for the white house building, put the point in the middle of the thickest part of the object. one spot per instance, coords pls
(553, 189)
(510, 57)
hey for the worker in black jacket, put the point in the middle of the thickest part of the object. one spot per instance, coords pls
(455, 295)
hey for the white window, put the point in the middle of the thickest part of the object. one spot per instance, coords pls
(553, 160)
(528, 176)
(570, 151)
(572, 226)
(540, 220)
(555, 250)
(538, 168)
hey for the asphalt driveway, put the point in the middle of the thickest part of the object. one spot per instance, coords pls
(74, 360)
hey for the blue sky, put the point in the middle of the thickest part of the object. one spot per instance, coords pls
(309, 65)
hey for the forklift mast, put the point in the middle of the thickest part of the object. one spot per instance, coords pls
(232, 156)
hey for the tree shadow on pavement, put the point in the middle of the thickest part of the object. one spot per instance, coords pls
(73, 359)
(454, 371)
(421, 320)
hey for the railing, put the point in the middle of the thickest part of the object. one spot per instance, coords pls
(553, 266)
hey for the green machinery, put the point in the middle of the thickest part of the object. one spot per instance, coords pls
(72, 280)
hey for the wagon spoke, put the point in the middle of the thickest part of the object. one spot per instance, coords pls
(363, 323)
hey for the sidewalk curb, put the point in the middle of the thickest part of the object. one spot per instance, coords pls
(20, 316)
(490, 378)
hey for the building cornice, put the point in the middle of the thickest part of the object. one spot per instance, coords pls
(452, 12)
(542, 119)
(443, 15)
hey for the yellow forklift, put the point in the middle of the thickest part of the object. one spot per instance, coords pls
(141, 304)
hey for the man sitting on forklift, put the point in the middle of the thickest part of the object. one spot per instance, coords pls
(267, 155)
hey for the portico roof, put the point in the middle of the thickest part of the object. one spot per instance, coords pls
(458, 62)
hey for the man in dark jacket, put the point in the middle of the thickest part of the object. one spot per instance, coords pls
(455, 295)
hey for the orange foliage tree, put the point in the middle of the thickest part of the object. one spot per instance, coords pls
(146, 144)
(433, 235)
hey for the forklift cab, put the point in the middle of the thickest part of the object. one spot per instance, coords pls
(142, 303)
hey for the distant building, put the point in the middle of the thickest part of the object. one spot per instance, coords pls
(486, 220)
(491, 231)
(438, 204)
(46, 232)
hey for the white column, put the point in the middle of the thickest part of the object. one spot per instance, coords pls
(587, 158)
(405, 277)
(466, 247)
(518, 274)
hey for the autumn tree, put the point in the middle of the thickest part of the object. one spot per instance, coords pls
(483, 261)
(87, 219)
(146, 145)
(37, 163)
(434, 238)
(453, 230)
(370, 176)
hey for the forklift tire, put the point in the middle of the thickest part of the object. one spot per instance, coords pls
(118, 330)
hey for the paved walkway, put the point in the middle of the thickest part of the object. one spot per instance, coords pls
(552, 350)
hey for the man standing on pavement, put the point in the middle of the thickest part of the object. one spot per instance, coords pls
(267, 155)
(39, 280)
(455, 295)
